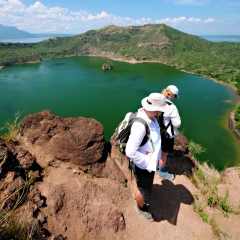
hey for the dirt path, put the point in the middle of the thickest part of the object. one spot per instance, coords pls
(171, 204)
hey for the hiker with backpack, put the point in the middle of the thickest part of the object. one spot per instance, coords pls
(169, 123)
(145, 157)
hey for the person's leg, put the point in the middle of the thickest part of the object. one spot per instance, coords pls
(144, 180)
(162, 162)
(162, 171)
(139, 198)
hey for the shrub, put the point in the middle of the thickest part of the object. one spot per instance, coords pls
(237, 118)
(195, 148)
(21, 229)
(13, 129)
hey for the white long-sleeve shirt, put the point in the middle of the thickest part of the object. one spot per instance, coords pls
(174, 116)
(137, 153)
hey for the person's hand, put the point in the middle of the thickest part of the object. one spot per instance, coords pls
(149, 154)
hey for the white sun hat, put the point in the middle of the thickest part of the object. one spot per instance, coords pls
(155, 102)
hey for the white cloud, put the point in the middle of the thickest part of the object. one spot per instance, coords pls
(102, 15)
(175, 21)
(209, 20)
(171, 20)
(37, 7)
(180, 20)
(39, 18)
(194, 19)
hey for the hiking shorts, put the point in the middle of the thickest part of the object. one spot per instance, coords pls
(167, 145)
(144, 180)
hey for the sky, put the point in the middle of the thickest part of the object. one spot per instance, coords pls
(196, 17)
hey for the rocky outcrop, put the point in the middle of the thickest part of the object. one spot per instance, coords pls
(71, 181)
(107, 66)
(76, 140)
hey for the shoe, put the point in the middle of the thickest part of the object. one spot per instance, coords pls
(146, 214)
(164, 169)
(165, 175)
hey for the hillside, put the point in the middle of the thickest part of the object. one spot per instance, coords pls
(152, 42)
(62, 180)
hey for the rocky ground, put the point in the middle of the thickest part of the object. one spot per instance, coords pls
(74, 187)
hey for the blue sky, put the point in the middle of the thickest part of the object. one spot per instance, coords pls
(197, 17)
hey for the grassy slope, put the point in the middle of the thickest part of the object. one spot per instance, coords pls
(143, 43)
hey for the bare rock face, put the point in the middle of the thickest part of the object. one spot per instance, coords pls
(73, 183)
(82, 211)
(76, 140)
(55, 167)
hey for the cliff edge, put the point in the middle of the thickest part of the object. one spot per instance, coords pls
(66, 179)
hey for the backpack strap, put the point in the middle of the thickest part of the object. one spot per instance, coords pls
(160, 120)
(124, 134)
(145, 139)
(147, 135)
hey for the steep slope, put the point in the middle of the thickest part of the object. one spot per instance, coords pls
(59, 180)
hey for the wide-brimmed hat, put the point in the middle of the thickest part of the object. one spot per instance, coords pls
(174, 90)
(155, 102)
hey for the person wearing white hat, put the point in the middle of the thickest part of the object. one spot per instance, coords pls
(145, 158)
(173, 121)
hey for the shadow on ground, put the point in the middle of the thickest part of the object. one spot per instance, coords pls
(166, 200)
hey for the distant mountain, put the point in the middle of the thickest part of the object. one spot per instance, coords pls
(149, 43)
(7, 32)
(13, 33)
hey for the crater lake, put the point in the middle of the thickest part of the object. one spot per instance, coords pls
(77, 86)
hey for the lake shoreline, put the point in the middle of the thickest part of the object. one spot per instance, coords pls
(134, 61)
(231, 122)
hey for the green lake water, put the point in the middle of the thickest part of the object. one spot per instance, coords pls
(72, 87)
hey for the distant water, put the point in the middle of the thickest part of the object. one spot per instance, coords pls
(24, 40)
(221, 38)
(213, 38)
(35, 39)
(77, 86)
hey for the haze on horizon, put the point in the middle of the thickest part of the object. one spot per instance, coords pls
(197, 17)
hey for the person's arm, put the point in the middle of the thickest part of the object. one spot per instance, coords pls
(175, 118)
(137, 134)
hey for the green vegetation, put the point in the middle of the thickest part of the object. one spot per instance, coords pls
(22, 229)
(10, 227)
(151, 42)
(195, 148)
(108, 65)
(216, 229)
(237, 117)
(206, 180)
(13, 129)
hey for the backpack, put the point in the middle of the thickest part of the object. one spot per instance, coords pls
(163, 129)
(125, 129)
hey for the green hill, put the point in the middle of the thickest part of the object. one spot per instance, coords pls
(152, 42)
